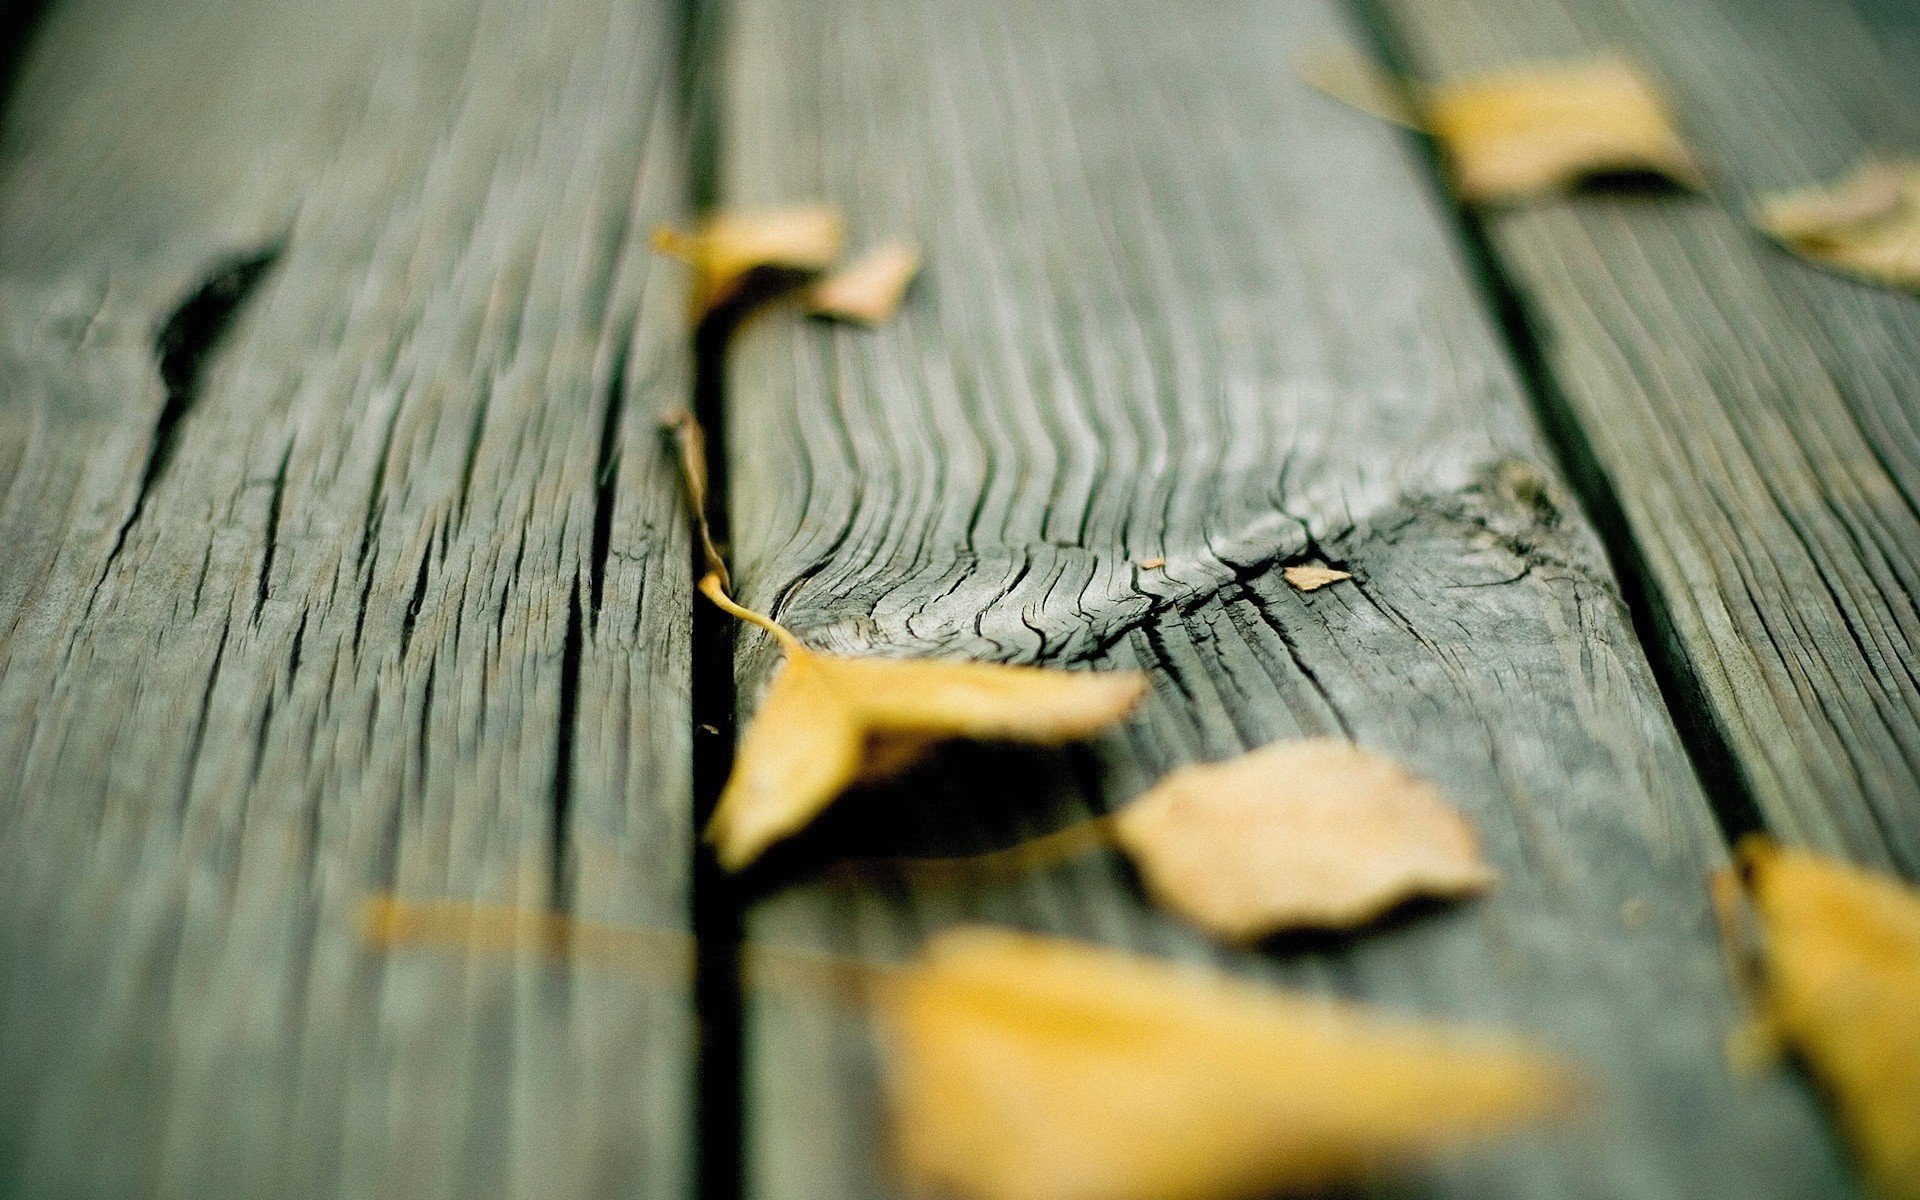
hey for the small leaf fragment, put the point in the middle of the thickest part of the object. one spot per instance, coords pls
(1841, 982)
(1029, 1068)
(1311, 577)
(869, 289)
(727, 247)
(829, 721)
(1867, 225)
(1308, 834)
(1548, 128)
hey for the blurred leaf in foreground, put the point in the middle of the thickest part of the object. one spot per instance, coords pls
(725, 248)
(1027, 1068)
(869, 289)
(1841, 981)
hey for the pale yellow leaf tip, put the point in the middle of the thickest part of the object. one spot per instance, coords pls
(869, 289)
(727, 247)
(1311, 577)
(1028, 1068)
(1841, 983)
(1866, 225)
(1309, 834)
(1547, 128)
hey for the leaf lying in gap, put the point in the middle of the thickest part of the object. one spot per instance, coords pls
(868, 289)
(1028, 1068)
(1867, 225)
(1311, 577)
(725, 248)
(829, 721)
(1841, 981)
(1549, 128)
(1315, 833)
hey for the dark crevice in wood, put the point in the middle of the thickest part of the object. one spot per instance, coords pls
(272, 535)
(560, 880)
(475, 432)
(414, 602)
(20, 20)
(1728, 790)
(606, 465)
(719, 1083)
(183, 345)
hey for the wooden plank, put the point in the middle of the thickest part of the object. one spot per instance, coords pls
(340, 558)
(1180, 308)
(1753, 413)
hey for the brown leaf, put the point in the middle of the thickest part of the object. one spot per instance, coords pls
(1867, 225)
(829, 721)
(1315, 833)
(1549, 128)
(1842, 984)
(869, 289)
(727, 247)
(1027, 1068)
(1311, 577)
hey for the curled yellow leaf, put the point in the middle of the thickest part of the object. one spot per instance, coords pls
(1841, 982)
(724, 249)
(868, 289)
(1315, 833)
(1028, 1068)
(1867, 224)
(829, 721)
(1550, 127)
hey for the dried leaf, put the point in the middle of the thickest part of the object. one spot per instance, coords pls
(1549, 128)
(1358, 82)
(727, 247)
(1315, 833)
(1311, 577)
(1152, 564)
(868, 289)
(830, 721)
(1026, 1068)
(1842, 984)
(1867, 225)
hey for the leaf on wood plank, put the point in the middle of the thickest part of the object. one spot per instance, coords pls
(1028, 1068)
(1550, 128)
(1311, 577)
(724, 249)
(867, 290)
(829, 721)
(1841, 982)
(1868, 224)
(1315, 833)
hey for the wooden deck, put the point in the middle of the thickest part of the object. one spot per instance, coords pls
(339, 553)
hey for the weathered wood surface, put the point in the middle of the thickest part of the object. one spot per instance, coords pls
(1179, 307)
(339, 557)
(1755, 415)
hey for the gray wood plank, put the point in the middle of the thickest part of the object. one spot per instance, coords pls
(1178, 307)
(1754, 414)
(340, 558)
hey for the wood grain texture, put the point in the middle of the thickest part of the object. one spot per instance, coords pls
(1178, 307)
(1754, 414)
(340, 557)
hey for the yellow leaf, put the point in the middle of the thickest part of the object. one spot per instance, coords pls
(1868, 224)
(1315, 833)
(1312, 577)
(869, 289)
(1842, 984)
(1026, 1068)
(1548, 128)
(727, 247)
(829, 721)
